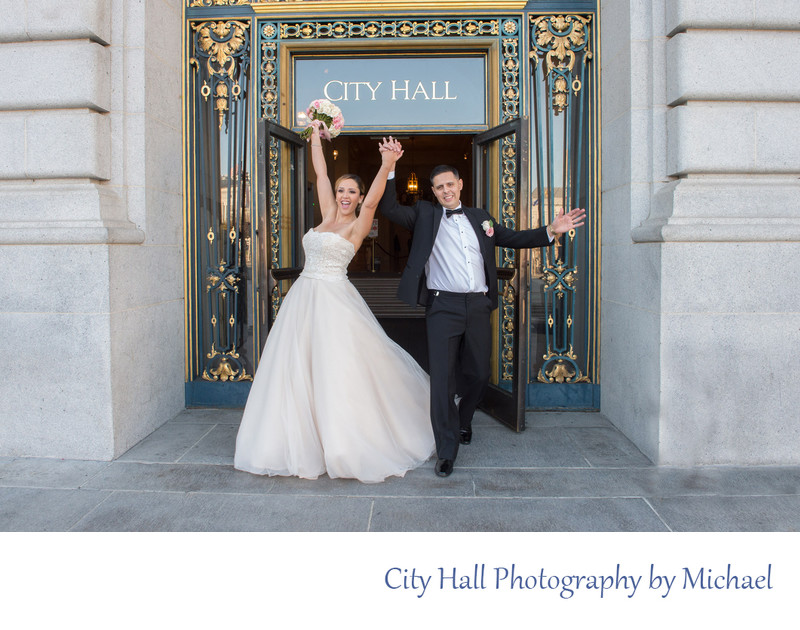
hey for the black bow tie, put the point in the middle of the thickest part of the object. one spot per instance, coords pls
(449, 212)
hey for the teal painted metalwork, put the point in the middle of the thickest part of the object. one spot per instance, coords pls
(220, 198)
(561, 54)
(268, 108)
(510, 64)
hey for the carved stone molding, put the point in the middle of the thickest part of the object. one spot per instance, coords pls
(723, 210)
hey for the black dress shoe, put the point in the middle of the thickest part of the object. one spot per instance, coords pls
(465, 436)
(444, 467)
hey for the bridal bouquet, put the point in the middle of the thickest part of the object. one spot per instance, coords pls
(328, 114)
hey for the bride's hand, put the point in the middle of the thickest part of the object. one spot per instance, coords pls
(395, 145)
(315, 129)
(390, 145)
(390, 157)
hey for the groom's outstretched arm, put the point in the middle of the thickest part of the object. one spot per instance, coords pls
(542, 236)
(536, 237)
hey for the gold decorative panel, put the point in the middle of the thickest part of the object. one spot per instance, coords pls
(565, 115)
(219, 196)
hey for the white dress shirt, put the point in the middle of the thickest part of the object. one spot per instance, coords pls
(456, 262)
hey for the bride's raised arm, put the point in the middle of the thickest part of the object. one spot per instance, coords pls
(327, 200)
(391, 151)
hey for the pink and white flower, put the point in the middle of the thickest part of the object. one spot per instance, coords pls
(488, 227)
(326, 113)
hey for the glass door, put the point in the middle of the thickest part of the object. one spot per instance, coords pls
(500, 187)
(283, 216)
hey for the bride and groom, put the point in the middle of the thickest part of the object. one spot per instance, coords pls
(332, 393)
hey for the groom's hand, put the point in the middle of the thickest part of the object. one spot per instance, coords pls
(391, 151)
(390, 145)
(569, 221)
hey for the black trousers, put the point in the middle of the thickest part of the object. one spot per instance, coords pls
(459, 345)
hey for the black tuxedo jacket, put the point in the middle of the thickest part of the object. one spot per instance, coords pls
(423, 219)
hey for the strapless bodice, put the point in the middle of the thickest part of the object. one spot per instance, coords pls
(327, 255)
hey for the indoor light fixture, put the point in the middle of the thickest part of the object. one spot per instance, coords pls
(412, 185)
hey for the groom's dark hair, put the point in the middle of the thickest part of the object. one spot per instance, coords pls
(444, 168)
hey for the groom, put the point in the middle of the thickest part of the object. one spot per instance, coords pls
(451, 271)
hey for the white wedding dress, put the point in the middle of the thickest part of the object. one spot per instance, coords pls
(333, 393)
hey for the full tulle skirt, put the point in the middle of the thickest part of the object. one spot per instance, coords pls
(333, 393)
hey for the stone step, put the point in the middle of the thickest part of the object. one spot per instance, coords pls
(380, 294)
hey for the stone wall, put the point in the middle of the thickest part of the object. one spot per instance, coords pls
(701, 231)
(700, 236)
(90, 224)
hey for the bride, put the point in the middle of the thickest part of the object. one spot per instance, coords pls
(332, 393)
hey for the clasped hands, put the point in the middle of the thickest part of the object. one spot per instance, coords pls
(391, 150)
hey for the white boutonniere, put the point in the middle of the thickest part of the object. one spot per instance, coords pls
(488, 227)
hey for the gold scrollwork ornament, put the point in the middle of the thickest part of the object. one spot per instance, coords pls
(228, 3)
(220, 42)
(567, 33)
(562, 369)
(556, 38)
(224, 370)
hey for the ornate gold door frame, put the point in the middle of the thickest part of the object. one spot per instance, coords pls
(237, 72)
